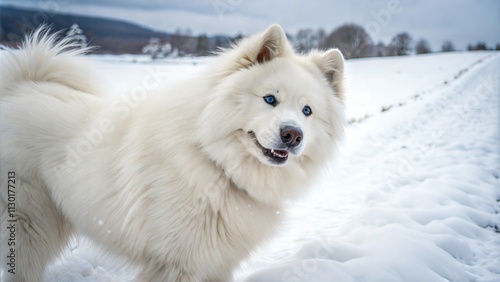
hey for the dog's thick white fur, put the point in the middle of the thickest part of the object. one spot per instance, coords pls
(187, 181)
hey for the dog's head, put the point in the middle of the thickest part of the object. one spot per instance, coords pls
(271, 107)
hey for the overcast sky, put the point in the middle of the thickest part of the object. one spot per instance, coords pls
(461, 21)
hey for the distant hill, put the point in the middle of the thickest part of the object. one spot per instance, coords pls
(113, 36)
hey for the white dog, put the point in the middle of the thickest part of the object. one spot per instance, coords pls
(187, 182)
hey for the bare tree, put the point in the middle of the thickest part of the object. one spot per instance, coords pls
(391, 50)
(181, 40)
(202, 45)
(401, 44)
(423, 47)
(351, 39)
(479, 46)
(447, 46)
(380, 50)
(308, 39)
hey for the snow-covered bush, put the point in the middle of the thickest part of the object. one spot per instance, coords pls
(158, 50)
(76, 36)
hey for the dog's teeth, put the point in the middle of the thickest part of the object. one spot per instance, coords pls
(272, 151)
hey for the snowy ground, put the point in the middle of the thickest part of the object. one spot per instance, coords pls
(412, 197)
(415, 194)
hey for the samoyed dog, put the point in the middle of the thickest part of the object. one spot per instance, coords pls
(185, 183)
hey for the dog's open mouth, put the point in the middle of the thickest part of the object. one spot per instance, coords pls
(277, 156)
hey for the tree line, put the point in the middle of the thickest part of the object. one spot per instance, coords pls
(351, 39)
(355, 42)
(121, 37)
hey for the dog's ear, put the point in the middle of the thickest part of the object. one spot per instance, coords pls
(272, 44)
(331, 63)
(255, 50)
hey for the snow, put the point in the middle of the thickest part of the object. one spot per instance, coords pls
(413, 196)
(381, 82)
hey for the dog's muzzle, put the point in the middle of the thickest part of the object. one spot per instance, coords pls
(291, 137)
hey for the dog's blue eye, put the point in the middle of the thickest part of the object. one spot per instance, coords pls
(271, 100)
(307, 111)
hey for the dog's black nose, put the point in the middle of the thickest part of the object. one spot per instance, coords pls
(291, 136)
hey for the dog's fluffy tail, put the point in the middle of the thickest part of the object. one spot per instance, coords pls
(43, 58)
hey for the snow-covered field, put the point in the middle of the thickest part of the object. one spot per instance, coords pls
(413, 196)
